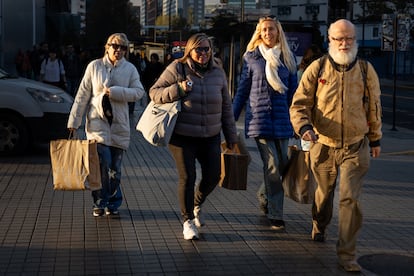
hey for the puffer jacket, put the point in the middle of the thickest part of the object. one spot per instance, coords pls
(124, 83)
(333, 104)
(267, 111)
(206, 109)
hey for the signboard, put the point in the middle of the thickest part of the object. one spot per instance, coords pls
(387, 42)
(403, 33)
(299, 42)
(402, 24)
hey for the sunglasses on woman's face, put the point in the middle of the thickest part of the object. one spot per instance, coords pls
(200, 50)
(118, 47)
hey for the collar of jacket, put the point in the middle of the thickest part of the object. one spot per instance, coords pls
(109, 64)
(340, 67)
(192, 65)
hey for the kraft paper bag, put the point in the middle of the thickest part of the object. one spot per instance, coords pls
(234, 167)
(298, 181)
(75, 165)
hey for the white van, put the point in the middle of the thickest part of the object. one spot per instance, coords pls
(30, 111)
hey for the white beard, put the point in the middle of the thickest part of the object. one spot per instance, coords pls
(343, 58)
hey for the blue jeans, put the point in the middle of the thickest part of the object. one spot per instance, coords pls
(274, 156)
(110, 196)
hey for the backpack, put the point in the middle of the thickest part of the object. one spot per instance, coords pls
(364, 69)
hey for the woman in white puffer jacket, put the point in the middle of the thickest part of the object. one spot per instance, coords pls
(108, 84)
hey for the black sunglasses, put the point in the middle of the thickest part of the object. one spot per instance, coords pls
(200, 50)
(117, 46)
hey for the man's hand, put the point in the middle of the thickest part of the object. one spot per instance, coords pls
(375, 152)
(310, 135)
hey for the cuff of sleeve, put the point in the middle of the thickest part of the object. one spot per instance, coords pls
(373, 144)
(181, 91)
(304, 129)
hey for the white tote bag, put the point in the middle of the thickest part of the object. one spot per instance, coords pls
(158, 121)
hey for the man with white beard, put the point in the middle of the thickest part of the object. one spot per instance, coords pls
(337, 107)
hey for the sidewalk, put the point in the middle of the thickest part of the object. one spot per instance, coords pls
(46, 232)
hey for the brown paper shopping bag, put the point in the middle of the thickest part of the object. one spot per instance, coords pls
(298, 181)
(234, 167)
(75, 165)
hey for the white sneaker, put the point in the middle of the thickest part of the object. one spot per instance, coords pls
(190, 231)
(198, 217)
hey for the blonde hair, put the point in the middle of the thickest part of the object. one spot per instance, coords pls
(193, 42)
(256, 40)
(122, 38)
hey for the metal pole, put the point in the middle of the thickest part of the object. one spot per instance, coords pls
(34, 22)
(231, 67)
(363, 24)
(394, 96)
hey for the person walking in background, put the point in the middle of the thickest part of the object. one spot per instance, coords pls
(23, 65)
(201, 85)
(337, 107)
(37, 56)
(152, 71)
(312, 53)
(267, 83)
(52, 70)
(107, 86)
(168, 59)
(72, 64)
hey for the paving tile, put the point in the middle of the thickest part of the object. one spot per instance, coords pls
(49, 232)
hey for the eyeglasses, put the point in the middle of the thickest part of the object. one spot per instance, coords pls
(342, 39)
(117, 46)
(200, 50)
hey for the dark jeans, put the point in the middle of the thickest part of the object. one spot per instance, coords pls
(110, 196)
(186, 151)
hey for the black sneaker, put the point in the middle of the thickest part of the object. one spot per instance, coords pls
(277, 224)
(97, 212)
(319, 237)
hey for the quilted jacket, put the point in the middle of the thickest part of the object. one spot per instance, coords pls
(124, 82)
(206, 109)
(266, 111)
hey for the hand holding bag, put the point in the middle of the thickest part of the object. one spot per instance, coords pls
(75, 164)
(298, 181)
(234, 167)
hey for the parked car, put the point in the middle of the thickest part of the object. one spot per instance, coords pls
(30, 111)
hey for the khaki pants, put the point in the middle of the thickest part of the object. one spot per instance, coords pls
(351, 163)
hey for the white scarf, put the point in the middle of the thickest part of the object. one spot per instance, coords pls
(272, 57)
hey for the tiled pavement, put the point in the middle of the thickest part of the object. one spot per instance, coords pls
(47, 232)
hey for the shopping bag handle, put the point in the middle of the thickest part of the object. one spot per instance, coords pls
(234, 150)
(73, 135)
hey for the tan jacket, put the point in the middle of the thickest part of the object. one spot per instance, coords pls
(332, 104)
